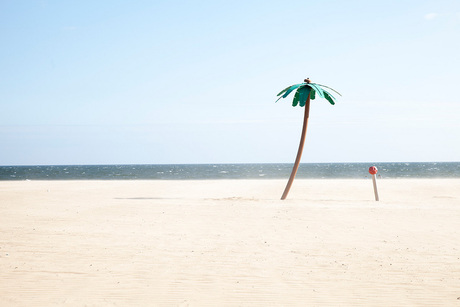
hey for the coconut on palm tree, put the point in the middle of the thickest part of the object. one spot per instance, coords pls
(304, 93)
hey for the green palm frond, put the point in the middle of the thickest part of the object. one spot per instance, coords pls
(329, 88)
(284, 90)
(318, 89)
(290, 89)
(329, 97)
(303, 95)
(287, 91)
(295, 101)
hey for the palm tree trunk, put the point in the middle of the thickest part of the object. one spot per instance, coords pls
(299, 152)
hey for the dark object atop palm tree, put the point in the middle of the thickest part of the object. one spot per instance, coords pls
(304, 92)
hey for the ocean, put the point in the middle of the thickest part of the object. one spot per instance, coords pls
(229, 171)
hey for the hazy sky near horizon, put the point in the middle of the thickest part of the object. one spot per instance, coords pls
(134, 82)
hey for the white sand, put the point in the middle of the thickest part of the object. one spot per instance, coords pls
(230, 243)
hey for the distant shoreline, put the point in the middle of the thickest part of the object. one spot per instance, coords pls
(229, 171)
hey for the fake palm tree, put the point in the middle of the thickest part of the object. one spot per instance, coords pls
(304, 93)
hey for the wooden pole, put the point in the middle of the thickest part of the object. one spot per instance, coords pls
(299, 152)
(376, 193)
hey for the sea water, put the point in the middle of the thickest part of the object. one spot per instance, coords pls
(229, 171)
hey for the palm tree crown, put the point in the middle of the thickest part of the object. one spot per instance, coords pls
(305, 89)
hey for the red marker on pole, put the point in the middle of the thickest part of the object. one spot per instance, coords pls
(373, 170)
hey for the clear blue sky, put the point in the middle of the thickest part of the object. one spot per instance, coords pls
(128, 82)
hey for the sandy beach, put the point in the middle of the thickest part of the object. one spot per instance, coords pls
(230, 243)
